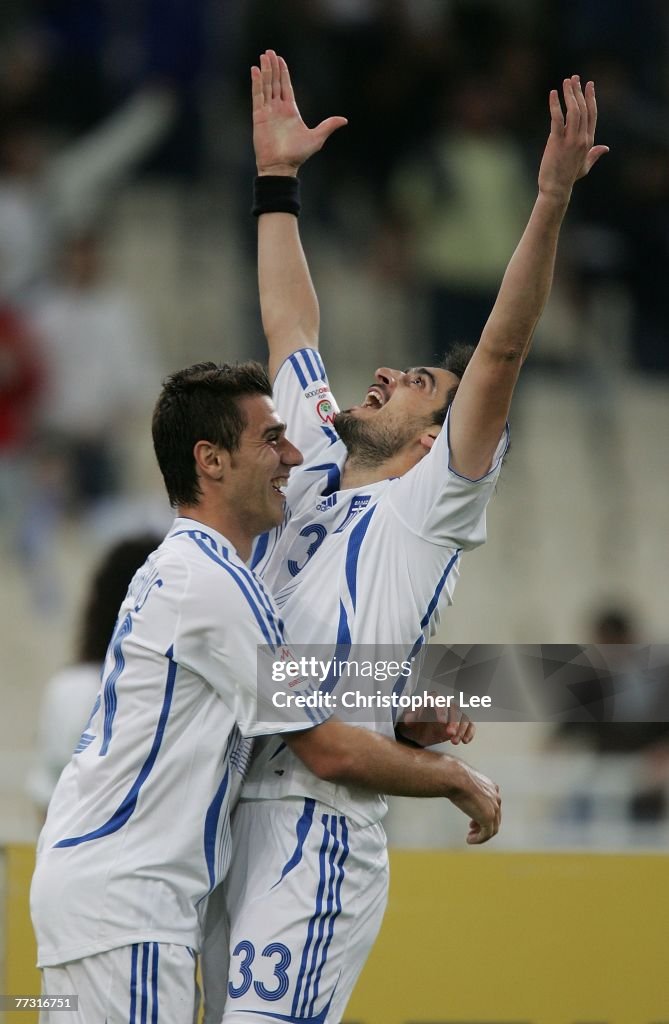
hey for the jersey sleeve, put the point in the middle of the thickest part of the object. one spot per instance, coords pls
(440, 505)
(229, 634)
(303, 397)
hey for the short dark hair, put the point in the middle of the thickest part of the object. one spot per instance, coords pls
(106, 591)
(201, 403)
(455, 361)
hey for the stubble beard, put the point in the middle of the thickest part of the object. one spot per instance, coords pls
(368, 443)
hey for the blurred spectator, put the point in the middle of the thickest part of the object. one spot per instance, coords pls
(69, 695)
(44, 195)
(626, 714)
(100, 370)
(463, 204)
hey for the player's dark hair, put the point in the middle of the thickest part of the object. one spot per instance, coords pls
(201, 403)
(455, 361)
(106, 591)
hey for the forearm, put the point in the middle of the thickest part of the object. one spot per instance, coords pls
(288, 302)
(526, 284)
(358, 757)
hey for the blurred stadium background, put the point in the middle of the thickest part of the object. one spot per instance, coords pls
(127, 251)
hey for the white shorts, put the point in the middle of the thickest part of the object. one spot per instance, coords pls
(147, 983)
(306, 894)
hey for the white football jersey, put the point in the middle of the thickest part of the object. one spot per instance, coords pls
(137, 833)
(368, 565)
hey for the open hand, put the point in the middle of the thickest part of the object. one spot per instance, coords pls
(281, 139)
(570, 151)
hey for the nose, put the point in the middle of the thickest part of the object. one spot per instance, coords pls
(290, 455)
(388, 377)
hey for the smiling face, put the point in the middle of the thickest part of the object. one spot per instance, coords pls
(258, 469)
(399, 407)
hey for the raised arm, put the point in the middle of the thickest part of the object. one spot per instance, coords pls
(481, 405)
(282, 143)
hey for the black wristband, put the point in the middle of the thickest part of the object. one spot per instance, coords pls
(276, 194)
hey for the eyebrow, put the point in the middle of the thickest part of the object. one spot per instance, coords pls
(425, 372)
(276, 428)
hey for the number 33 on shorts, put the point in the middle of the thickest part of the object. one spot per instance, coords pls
(304, 919)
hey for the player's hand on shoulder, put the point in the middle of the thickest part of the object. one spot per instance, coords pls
(570, 151)
(281, 139)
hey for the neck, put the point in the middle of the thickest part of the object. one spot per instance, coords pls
(223, 522)
(358, 473)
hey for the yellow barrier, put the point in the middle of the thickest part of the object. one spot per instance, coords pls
(483, 937)
(21, 976)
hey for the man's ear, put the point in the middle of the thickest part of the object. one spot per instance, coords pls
(429, 437)
(210, 459)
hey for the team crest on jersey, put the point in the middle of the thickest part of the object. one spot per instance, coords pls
(325, 410)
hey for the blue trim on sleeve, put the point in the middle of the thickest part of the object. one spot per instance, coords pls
(312, 369)
(493, 468)
(319, 363)
(293, 360)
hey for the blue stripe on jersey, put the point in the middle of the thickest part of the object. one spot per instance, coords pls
(331, 434)
(341, 650)
(259, 549)
(313, 969)
(338, 908)
(109, 691)
(353, 551)
(261, 594)
(310, 363)
(242, 577)
(133, 985)
(145, 992)
(154, 984)
(334, 477)
(294, 362)
(437, 594)
(302, 831)
(312, 923)
(85, 740)
(125, 809)
(211, 826)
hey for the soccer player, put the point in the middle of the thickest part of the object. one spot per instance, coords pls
(137, 832)
(390, 493)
